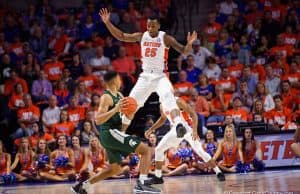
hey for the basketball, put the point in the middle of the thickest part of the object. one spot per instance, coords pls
(130, 107)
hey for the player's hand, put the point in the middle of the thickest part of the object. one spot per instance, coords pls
(191, 37)
(195, 135)
(104, 14)
(147, 133)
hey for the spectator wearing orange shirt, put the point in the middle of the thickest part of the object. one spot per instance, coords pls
(288, 97)
(238, 114)
(218, 106)
(285, 50)
(253, 13)
(290, 38)
(279, 66)
(16, 99)
(91, 81)
(27, 115)
(293, 76)
(76, 113)
(257, 69)
(227, 82)
(64, 126)
(279, 116)
(53, 68)
(59, 41)
(124, 64)
(12, 81)
(278, 10)
(236, 67)
(211, 30)
(183, 87)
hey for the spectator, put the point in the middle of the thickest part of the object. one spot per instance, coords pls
(60, 173)
(243, 56)
(277, 10)
(27, 115)
(124, 64)
(183, 87)
(204, 88)
(100, 63)
(66, 77)
(83, 94)
(63, 94)
(227, 6)
(59, 42)
(75, 66)
(5, 68)
(270, 28)
(223, 44)
(279, 65)
(262, 47)
(279, 116)
(229, 147)
(257, 69)
(38, 43)
(290, 38)
(29, 68)
(41, 89)
(288, 96)
(127, 25)
(95, 102)
(244, 95)
(232, 27)
(238, 114)
(174, 163)
(53, 68)
(251, 79)
(261, 93)
(227, 82)
(280, 47)
(90, 81)
(212, 70)
(192, 71)
(51, 115)
(272, 82)
(80, 157)
(293, 76)
(13, 80)
(87, 28)
(110, 50)
(24, 157)
(87, 52)
(87, 134)
(97, 156)
(64, 126)
(253, 13)
(218, 106)
(211, 31)
(200, 54)
(16, 99)
(257, 110)
(76, 113)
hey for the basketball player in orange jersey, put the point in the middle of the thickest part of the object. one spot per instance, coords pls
(170, 139)
(154, 46)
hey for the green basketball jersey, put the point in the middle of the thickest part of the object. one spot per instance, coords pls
(115, 122)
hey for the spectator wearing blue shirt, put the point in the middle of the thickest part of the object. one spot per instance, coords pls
(250, 78)
(192, 71)
(87, 28)
(204, 88)
(223, 45)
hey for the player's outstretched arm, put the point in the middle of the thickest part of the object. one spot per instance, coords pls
(172, 42)
(118, 34)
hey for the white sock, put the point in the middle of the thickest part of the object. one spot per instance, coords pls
(143, 177)
(217, 170)
(158, 173)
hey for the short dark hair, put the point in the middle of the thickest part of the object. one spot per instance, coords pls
(277, 97)
(154, 17)
(108, 76)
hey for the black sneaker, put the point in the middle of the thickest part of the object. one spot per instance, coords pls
(180, 130)
(76, 188)
(221, 176)
(145, 188)
(155, 181)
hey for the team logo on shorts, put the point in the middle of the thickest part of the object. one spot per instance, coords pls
(132, 143)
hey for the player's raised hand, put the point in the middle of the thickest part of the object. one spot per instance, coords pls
(104, 14)
(191, 37)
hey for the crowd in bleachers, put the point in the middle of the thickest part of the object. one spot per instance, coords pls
(244, 67)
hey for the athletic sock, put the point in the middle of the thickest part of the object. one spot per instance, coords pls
(143, 177)
(158, 173)
(217, 170)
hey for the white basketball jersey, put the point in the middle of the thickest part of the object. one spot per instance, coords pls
(154, 52)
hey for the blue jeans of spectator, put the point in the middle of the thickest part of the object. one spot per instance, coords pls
(21, 133)
(215, 119)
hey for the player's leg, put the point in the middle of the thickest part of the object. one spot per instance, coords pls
(140, 92)
(197, 147)
(168, 141)
(166, 97)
